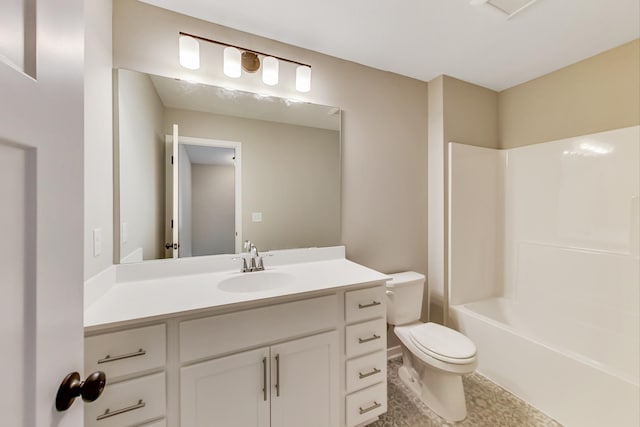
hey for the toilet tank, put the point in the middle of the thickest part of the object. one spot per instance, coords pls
(404, 297)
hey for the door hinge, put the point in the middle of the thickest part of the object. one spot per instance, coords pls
(171, 159)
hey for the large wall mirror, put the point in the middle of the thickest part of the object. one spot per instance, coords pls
(200, 168)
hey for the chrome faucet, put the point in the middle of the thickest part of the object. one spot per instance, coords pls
(255, 260)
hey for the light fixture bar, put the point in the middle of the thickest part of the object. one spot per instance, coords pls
(204, 39)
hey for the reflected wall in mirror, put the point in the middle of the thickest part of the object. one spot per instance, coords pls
(288, 185)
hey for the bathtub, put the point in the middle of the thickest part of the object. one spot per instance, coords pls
(579, 376)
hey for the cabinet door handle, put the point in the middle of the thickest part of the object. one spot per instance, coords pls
(277, 375)
(108, 413)
(264, 378)
(368, 374)
(108, 358)
(364, 340)
(373, 304)
(375, 405)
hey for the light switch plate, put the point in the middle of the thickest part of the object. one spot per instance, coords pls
(256, 216)
(97, 242)
(124, 232)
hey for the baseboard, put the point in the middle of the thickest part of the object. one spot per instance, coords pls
(394, 352)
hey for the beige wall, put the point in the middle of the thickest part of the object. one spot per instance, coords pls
(458, 112)
(98, 136)
(141, 153)
(435, 298)
(384, 132)
(470, 113)
(213, 199)
(594, 95)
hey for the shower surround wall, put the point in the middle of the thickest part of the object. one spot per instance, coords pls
(545, 271)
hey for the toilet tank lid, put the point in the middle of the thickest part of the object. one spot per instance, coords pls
(404, 278)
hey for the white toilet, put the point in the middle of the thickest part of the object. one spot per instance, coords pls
(434, 357)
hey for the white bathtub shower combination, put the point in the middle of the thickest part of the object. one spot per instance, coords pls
(544, 276)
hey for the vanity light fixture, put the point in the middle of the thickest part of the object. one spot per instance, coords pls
(232, 62)
(303, 78)
(189, 52)
(270, 70)
(236, 59)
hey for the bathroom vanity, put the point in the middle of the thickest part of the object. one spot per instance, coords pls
(197, 343)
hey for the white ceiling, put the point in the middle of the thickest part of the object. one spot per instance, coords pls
(205, 155)
(425, 38)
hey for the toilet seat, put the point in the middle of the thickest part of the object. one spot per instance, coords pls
(443, 343)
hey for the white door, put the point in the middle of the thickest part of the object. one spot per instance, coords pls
(175, 221)
(172, 202)
(304, 383)
(41, 208)
(232, 391)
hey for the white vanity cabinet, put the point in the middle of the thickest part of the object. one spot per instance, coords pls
(312, 360)
(295, 379)
(133, 361)
(306, 386)
(229, 391)
(290, 384)
(365, 349)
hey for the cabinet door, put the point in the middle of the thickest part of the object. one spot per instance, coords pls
(227, 392)
(304, 382)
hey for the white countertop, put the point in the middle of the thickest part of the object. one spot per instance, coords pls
(161, 296)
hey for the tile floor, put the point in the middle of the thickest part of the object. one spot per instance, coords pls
(488, 405)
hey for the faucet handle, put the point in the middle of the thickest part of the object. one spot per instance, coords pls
(247, 245)
(244, 263)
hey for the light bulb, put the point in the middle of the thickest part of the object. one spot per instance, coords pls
(303, 78)
(189, 52)
(270, 68)
(232, 66)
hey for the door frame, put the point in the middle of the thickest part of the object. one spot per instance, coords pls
(237, 147)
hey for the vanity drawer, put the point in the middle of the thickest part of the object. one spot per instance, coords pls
(126, 352)
(366, 337)
(366, 370)
(366, 404)
(226, 333)
(364, 304)
(128, 403)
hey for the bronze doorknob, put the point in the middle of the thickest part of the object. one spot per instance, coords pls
(71, 387)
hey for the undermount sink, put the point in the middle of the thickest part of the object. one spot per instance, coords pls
(256, 281)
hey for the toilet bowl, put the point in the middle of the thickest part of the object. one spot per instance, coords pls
(434, 357)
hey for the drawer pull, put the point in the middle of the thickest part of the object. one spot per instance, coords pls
(277, 375)
(108, 358)
(364, 340)
(368, 374)
(373, 304)
(375, 405)
(108, 413)
(264, 378)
